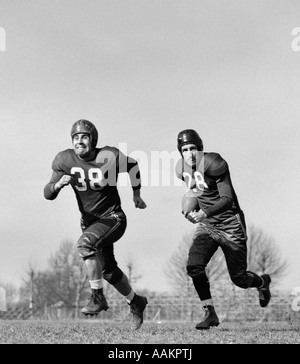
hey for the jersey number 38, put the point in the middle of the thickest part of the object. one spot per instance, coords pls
(94, 178)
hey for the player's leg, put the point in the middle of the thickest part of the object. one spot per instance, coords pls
(88, 248)
(115, 276)
(118, 279)
(234, 247)
(105, 252)
(200, 253)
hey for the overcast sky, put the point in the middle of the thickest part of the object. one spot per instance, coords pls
(142, 71)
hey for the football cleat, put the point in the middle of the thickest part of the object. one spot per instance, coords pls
(264, 292)
(210, 318)
(137, 307)
(96, 304)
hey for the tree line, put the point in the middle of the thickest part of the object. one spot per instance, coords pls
(65, 281)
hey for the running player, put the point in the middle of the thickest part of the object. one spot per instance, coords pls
(93, 174)
(221, 223)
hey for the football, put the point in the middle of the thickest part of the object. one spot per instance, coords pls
(189, 202)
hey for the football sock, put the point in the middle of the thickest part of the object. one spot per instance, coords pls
(123, 286)
(96, 284)
(130, 296)
(202, 286)
(208, 302)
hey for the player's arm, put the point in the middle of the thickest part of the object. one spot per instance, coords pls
(223, 204)
(226, 197)
(137, 200)
(219, 170)
(57, 181)
(130, 165)
(135, 180)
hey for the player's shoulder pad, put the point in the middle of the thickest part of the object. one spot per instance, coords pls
(107, 153)
(214, 165)
(110, 155)
(122, 157)
(61, 159)
(108, 148)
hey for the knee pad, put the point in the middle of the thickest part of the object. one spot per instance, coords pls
(195, 270)
(114, 276)
(86, 245)
(241, 280)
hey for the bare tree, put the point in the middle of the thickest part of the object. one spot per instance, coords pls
(176, 271)
(63, 281)
(264, 255)
(69, 273)
(132, 274)
(27, 289)
(11, 292)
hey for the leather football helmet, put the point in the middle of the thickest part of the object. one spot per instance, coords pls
(189, 136)
(85, 126)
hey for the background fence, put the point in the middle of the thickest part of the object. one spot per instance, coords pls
(240, 305)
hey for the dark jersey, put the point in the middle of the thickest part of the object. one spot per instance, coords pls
(210, 181)
(94, 182)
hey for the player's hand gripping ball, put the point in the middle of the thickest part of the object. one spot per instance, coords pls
(189, 202)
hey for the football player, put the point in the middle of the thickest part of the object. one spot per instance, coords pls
(220, 223)
(93, 174)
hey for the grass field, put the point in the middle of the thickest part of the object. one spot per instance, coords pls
(100, 332)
